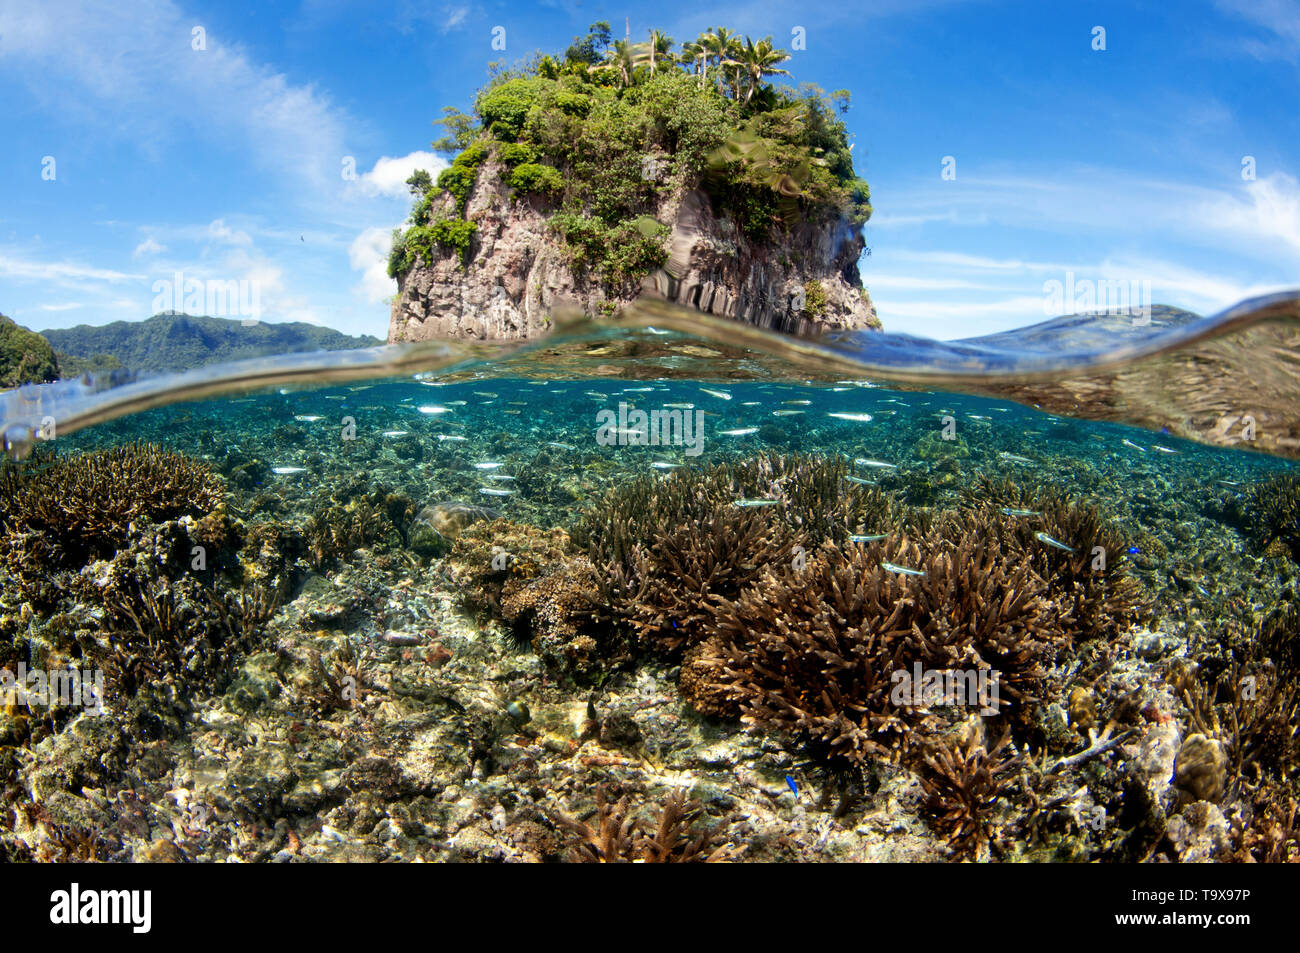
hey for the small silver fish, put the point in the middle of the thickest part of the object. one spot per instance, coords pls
(859, 418)
(854, 479)
(499, 476)
(1130, 443)
(433, 409)
(739, 432)
(875, 464)
(560, 446)
(902, 570)
(1011, 512)
(748, 503)
(680, 406)
(285, 471)
(493, 491)
(797, 403)
(1014, 457)
(867, 539)
(308, 418)
(452, 437)
(1156, 446)
(786, 413)
(665, 465)
(490, 465)
(395, 433)
(1054, 543)
(720, 394)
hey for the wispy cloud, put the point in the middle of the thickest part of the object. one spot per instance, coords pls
(59, 271)
(131, 70)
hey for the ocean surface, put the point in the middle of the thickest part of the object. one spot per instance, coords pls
(391, 700)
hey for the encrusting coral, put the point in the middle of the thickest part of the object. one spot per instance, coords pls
(532, 580)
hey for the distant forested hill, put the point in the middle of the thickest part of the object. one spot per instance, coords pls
(178, 342)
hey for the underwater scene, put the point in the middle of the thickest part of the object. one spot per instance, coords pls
(584, 602)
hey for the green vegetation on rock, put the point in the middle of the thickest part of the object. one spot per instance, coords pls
(612, 130)
(25, 356)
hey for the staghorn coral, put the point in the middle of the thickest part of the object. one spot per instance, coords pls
(620, 836)
(159, 622)
(1091, 584)
(963, 781)
(375, 520)
(664, 547)
(1270, 515)
(86, 506)
(813, 654)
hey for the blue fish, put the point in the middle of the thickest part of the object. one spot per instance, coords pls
(792, 785)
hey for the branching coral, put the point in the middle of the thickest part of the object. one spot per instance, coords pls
(372, 521)
(963, 781)
(817, 654)
(1270, 515)
(84, 507)
(533, 581)
(619, 836)
(665, 547)
(1089, 579)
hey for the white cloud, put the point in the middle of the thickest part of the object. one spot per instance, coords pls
(220, 232)
(69, 306)
(1270, 209)
(148, 247)
(59, 271)
(389, 175)
(369, 255)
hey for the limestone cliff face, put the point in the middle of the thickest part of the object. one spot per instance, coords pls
(517, 273)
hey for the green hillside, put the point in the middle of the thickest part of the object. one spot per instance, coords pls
(178, 342)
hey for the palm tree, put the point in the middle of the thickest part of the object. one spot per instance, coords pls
(695, 54)
(721, 45)
(661, 46)
(757, 61)
(620, 57)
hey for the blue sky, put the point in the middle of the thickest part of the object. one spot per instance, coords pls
(226, 163)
